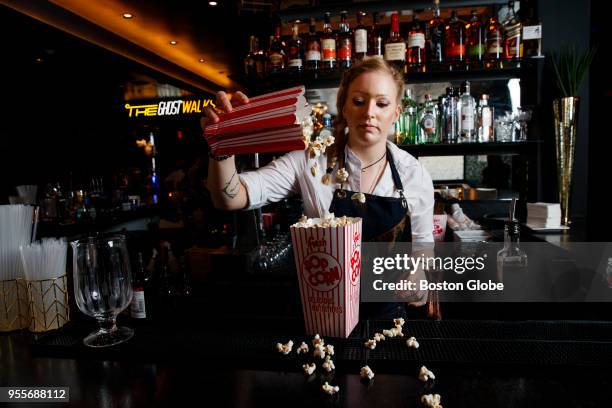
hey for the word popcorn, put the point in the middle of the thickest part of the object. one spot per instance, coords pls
(366, 372)
(426, 375)
(284, 348)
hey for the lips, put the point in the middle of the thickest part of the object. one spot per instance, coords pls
(368, 126)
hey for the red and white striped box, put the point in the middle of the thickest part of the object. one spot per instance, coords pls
(328, 262)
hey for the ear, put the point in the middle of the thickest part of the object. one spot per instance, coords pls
(398, 111)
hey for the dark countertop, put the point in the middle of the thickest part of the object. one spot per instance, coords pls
(232, 363)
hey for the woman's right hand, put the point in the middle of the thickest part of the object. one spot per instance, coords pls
(222, 104)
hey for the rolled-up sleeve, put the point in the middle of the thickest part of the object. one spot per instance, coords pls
(273, 182)
(422, 206)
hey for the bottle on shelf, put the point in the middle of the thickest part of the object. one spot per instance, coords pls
(345, 43)
(454, 42)
(395, 46)
(277, 53)
(295, 61)
(494, 43)
(376, 40)
(327, 130)
(449, 122)
(428, 121)
(360, 38)
(140, 307)
(250, 68)
(512, 260)
(328, 44)
(313, 48)
(409, 119)
(513, 47)
(416, 46)
(475, 41)
(485, 120)
(435, 38)
(467, 132)
(532, 34)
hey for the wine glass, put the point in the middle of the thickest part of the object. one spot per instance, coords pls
(103, 286)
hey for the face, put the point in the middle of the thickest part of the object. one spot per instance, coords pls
(371, 108)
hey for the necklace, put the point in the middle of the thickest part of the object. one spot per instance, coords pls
(376, 179)
(363, 169)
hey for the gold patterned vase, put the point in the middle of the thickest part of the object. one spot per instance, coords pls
(566, 126)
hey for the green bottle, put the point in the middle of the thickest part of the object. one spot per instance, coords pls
(409, 119)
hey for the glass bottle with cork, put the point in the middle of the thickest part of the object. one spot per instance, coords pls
(296, 53)
(277, 53)
(376, 40)
(494, 42)
(485, 120)
(513, 46)
(532, 33)
(475, 42)
(467, 122)
(395, 46)
(416, 46)
(360, 38)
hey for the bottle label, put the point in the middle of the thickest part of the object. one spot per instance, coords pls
(137, 307)
(395, 51)
(295, 63)
(457, 50)
(361, 41)
(532, 32)
(276, 59)
(329, 49)
(428, 123)
(313, 53)
(345, 50)
(416, 40)
(467, 118)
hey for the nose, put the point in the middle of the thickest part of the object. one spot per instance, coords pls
(371, 108)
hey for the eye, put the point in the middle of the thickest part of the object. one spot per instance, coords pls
(382, 104)
(358, 101)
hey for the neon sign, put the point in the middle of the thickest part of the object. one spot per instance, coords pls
(169, 108)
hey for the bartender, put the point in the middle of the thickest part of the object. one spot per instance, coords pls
(398, 191)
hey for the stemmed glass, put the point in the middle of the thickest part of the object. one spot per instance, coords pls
(103, 286)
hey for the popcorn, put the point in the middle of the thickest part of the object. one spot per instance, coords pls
(398, 322)
(328, 220)
(330, 389)
(319, 351)
(317, 340)
(371, 344)
(432, 401)
(426, 375)
(394, 332)
(366, 372)
(341, 175)
(378, 337)
(359, 197)
(303, 349)
(328, 365)
(313, 170)
(329, 140)
(284, 348)
(329, 349)
(309, 368)
(412, 342)
(326, 179)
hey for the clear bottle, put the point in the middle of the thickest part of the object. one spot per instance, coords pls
(511, 260)
(360, 38)
(467, 131)
(485, 120)
(409, 119)
(513, 46)
(327, 130)
(450, 121)
(345, 43)
(428, 121)
(277, 53)
(313, 48)
(454, 42)
(495, 45)
(416, 46)
(328, 44)
(376, 40)
(435, 38)
(475, 41)
(295, 61)
(395, 47)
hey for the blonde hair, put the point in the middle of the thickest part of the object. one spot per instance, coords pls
(362, 67)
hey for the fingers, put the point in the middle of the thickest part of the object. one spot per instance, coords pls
(239, 99)
(223, 102)
(209, 117)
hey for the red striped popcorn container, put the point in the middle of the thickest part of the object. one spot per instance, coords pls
(328, 263)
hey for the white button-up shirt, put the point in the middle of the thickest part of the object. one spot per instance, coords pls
(291, 174)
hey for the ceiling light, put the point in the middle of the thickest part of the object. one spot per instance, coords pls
(127, 15)
(39, 60)
(173, 42)
(298, 21)
(201, 60)
(212, 3)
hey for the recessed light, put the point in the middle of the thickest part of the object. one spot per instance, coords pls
(297, 21)
(201, 60)
(212, 3)
(127, 15)
(39, 60)
(173, 42)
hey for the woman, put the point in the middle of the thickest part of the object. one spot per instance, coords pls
(398, 191)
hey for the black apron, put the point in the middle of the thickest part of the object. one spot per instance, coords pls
(384, 219)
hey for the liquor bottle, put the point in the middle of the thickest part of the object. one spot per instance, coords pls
(327, 130)
(468, 115)
(345, 43)
(532, 35)
(361, 38)
(495, 45)
(454, 42)
(428, 121)
(328, 44)
(313, 48)
(139, 307)
(296, 52)
(513, 47)
(475, 41)
(250, 69)
(395, 47)
(512, 261)
(409, 119)
(435, 38)
(416, 46)
(485, 120)
(376, 40)
(277, 53)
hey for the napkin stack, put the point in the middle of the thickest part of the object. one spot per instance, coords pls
(544, 215)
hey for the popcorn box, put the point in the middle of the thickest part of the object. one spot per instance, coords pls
(328, 263)
(439, 231)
